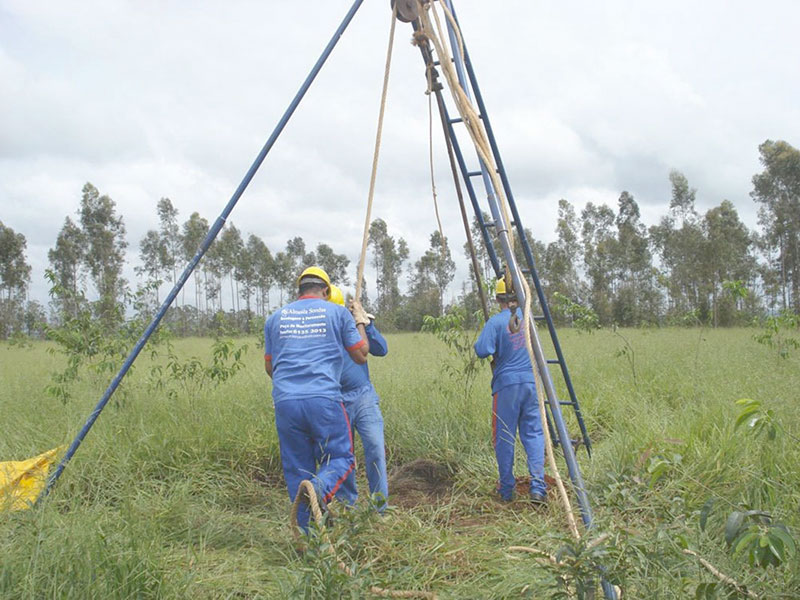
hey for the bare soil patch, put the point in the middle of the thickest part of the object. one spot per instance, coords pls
(422, 481)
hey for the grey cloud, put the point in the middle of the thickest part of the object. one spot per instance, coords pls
(587, 100)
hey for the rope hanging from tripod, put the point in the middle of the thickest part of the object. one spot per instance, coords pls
(430, 93)
(365, 238)
(471, 119)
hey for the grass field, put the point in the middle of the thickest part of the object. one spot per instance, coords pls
(181, 495)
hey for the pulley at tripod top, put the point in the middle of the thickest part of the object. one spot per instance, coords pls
(406, 10)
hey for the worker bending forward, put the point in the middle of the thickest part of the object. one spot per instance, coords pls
(361, 401)
(303, 353)
(514, 397)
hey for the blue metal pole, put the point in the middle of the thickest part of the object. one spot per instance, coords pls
(210, 237)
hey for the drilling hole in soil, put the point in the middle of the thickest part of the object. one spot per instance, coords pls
(421, 481)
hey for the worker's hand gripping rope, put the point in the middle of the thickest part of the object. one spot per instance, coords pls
(359, 314)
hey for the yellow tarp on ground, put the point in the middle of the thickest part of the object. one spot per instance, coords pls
(22, 481)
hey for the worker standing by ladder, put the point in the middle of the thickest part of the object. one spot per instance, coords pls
(514, 397)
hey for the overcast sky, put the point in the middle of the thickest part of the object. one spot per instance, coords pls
(150, 99)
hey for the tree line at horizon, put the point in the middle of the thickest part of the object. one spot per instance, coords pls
(688, 268)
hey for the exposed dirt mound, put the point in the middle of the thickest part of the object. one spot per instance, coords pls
(524, 483)
(422, 481)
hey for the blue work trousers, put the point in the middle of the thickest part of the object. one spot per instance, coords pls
(364, 411)
(316, 444)
(515, 407)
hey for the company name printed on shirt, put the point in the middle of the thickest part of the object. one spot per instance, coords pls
(517, 339)
(302, 323)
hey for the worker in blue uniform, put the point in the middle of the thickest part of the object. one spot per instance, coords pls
(515, 405)
(304, 345)
(362, 404)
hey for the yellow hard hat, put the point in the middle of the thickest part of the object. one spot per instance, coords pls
(500, 287)
(336, 296)
(315, 272)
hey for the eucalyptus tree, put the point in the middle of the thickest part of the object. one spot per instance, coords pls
(266, 270)
(433, 272)
(194, 232)
(599, 248)
(388, 256)
(254, 272)
(768, 271)
(726, 257)
(104, 234)
(152, 253)
(296, 252)
(66, 258)
(635, 298)
(285, 275)
(777, 191)
(170, 237)
(335, 265)
(680, 243)
(15, 274)
(231, 247)
(559, 266)
(213, 271)
(427, 282)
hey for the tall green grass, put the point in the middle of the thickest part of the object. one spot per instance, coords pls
(184, 497)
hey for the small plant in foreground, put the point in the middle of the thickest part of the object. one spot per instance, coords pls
(759, 422)
(577, 567)
(660, 465)
(322, 574)
(715, 590)
(766, 542)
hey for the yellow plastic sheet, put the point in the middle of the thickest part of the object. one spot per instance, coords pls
(22, 481)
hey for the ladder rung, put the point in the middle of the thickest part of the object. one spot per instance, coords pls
(474, 173)
(488, 223)
(538, 317)
(526, 271)
(455, 120)
(553, 361)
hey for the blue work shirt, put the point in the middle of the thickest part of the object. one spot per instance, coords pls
(355, 376)
(511, 362)
(305, 341)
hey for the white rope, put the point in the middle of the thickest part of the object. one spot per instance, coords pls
(430, 94)
(365, 238)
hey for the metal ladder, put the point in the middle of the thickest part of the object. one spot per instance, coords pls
(489, 229)
(468, 81)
